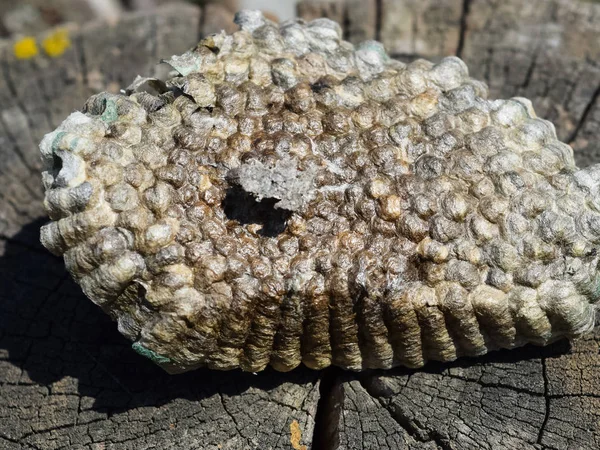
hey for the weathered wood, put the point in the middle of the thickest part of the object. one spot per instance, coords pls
(426, 28)
(361, 19)
(333, 9)
(33, 16)
(528, 398)
(218, 17)
(20, 18)
(544, 50)
(69, 380)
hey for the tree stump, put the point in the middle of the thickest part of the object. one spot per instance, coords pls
(69, 380)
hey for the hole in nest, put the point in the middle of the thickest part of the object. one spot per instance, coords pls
(54, 170)
(241, 206)
(139, 292)
(57, 163)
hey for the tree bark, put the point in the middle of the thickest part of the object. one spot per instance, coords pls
(69, 380)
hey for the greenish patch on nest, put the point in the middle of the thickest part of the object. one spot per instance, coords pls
(110, 112)
(73, 143)
(374, 46)
(56, 141)
(151, 355)
(185, 64)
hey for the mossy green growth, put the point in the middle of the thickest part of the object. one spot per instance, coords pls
(57, 141)
(110, 111)
(376, 47)
(73, 143)
(151, 355)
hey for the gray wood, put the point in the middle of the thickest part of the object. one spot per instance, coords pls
(427, 28)
(69, 380)
(523, 399)
(544, 50)
(32, 16)
(333, 9)
(361, 19)
(218, 17)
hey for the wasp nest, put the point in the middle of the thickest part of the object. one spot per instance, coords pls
(289, 198)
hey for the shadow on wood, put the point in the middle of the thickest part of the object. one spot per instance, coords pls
(63, 360)
(58, 346)
(57, 333)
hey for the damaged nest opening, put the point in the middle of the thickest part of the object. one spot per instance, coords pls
(243, 207)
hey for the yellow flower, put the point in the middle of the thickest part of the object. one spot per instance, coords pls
(25, 48)
(56, 43)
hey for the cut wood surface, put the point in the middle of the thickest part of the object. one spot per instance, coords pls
(69, 380)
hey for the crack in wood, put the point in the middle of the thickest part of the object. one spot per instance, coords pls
(346, 23)
(417, 432)
(584, 117)
(466, 8)
(531, 68)
(329, 408)
(201, 23)
(378, 19)
(80, 54)
(154, 38)
(540, 437)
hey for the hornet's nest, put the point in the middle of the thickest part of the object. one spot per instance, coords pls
(290, 198)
